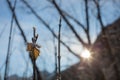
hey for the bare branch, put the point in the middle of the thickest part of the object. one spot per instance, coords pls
(87, 22)
(70, 26)
(99, 13)
(75, 20)
(48, 27)
(3, 29)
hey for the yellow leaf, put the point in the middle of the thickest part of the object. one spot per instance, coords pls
(36, 52)
(29, 46)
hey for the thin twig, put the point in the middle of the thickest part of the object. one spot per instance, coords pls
(55, 55)
(59, 56)
(2, 30)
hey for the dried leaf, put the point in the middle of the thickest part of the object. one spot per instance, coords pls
(29, 46)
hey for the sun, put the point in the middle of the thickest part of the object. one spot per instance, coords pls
(85, 54)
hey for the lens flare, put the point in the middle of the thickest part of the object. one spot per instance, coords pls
(86, 53)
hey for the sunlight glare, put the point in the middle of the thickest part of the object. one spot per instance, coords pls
(85, 53)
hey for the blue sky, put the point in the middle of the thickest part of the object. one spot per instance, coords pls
(45, 61)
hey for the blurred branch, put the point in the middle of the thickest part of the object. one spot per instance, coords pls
(2, 67)
(26, 69)
(9, 43)
(75, 20)
(87, 22)
(55, 56)
(99, 14)
(3, 29)
(80, 24)
(69, 24)
(16, 20)
(23, 34)
(86, 30)
(48, 27)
